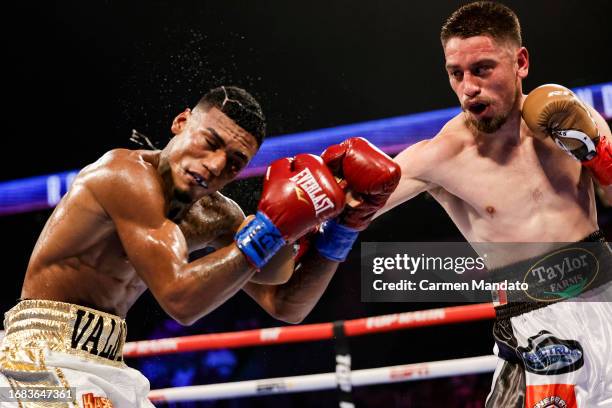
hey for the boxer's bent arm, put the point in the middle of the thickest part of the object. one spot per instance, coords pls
(414, 162)
(157, 249)
(186, 291)
(292, 302)
(197, 228)
(301, 288)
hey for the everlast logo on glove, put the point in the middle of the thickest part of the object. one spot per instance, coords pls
(307, 183)
(98, 335)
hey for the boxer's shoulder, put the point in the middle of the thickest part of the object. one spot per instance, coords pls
(130, 164)
(448, 143)
(123, 176)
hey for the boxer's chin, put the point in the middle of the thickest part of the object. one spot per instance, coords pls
(485, 125)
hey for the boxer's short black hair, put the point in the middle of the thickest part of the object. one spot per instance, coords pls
(238, 105)
(483, 18)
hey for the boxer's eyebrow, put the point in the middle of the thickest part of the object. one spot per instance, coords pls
(485, 61)
(221, 142)
(216, 136)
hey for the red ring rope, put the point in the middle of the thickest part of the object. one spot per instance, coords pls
(309, 332)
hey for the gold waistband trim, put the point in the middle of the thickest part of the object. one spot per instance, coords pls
(33, 326)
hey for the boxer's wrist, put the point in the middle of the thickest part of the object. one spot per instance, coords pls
(601, 164)
(334, 240)
(259, 240)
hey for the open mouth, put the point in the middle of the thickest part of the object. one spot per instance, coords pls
(477, 108)
(198, 178)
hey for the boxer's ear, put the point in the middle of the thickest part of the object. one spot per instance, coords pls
(180, 122)
(522, 59)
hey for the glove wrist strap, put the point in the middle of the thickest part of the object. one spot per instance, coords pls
(584, 153)
(335, 240)
(259, 240)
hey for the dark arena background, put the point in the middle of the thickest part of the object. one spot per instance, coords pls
(79, 76)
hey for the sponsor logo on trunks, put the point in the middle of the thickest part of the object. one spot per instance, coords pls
(307, 183)
(551, 396)
(551, 402)
(97, 334)
(91, 401)
(561, 274)
(547, 355)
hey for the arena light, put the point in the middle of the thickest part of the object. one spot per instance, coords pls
(391, 135)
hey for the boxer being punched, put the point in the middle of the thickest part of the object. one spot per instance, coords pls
(499, 172)
(130, 221)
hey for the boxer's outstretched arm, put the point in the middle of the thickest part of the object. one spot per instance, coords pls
(415, 162)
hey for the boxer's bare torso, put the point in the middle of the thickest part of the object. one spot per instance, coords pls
(501, 187)
(79, 257)
(131, 219)
(495, 180)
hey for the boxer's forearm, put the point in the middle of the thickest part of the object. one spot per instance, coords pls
(292, 302)
(300, 294)
(205, 284)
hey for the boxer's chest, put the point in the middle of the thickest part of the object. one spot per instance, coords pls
(522, 189)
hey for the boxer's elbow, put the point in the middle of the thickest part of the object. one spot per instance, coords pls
(289, 314)
(290, 318)
(176, 304)
(185, 319)
(180, 314)
(293, 319)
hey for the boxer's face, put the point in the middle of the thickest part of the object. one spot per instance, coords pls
(208, 152)
(486, 76)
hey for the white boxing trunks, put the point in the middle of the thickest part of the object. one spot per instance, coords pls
(58, 354)
(557, 355)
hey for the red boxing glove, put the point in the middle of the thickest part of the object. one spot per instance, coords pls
(298, 194)
(369, 173)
